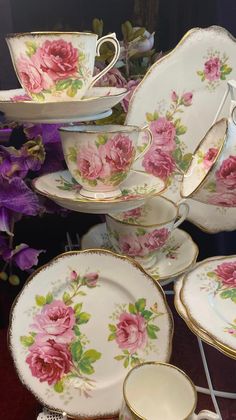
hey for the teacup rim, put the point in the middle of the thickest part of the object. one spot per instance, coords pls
(198, 187)
(146, 225)
(138, 416)
(47, 33)
(93, 129)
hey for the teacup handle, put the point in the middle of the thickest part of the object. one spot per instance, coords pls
(150, 138)
(113, 40)
(206, 415)
(184, 215)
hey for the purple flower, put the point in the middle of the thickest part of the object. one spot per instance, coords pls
(16, 196)
(23, 256)
(11, 163)
(33, 154)
(6, 217)
(48, 132)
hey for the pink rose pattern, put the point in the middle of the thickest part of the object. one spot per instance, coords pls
(215, 68)
(142, 243)
(209, 157)
(133, 331)
(227, 273)
(54, 345)
(106, 162)
(167, 151)
(55, 65)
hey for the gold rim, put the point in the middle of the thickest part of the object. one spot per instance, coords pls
(133, 411)
(108, 201)
(216, 340)
(147, 226)
(87, 251)
(204, 337)
(213, 165)
(47, 33)
(128, 128)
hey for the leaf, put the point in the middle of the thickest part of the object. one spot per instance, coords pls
(71, 91)
(59, 387)
(233, 298)
(132, 309)
(27, 341)
(72, 155)
(117, 178)
(97, 26)
(66, 298)
(181, 130)
(102, 139)
(225, 69)
(40, 300)
(212, 274)
(155, 115)
(211, 186)
(91, 182)
(38, 97)
(177, 155)
(77, 330)
(141, 231)
(31, 48)
(186, 159)
(151, 331)
(226, 294)
(63, 84)
(111, 337)
(126, 362)
(137, 33)
(200, 73)
(222, 76)
(76, 351)
(147, 314)
(83, 318)
(49, 298)
(141, 148)
(135, 361)
(140, 304)
(149, 117)
(92, 355)
(77, 308)
(85, 367)
(127, 30)
(77, 84)
(119, 357)
(112, 327)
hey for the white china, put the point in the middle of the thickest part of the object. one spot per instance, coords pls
(58, 66)
(160, 391)
(178, 255)
(141, 233)
(60, 321)
(211, 286)
(95, 105)
(65, 191)
(184, 108)
(100, 157)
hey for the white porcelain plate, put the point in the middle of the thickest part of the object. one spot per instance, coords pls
(179, 254)
(78, 327)
(188, 91)
(64, 190)
(209, 297)
(96, 104)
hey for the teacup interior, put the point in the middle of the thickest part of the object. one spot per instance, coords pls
(156, 391)
(155, 211)
(204, 157)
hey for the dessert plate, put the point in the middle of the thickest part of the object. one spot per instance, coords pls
(211, 286)
(96, 104)
(64, 190)
(79, 326)
(183, 109)
(178, 255)
(183, 314)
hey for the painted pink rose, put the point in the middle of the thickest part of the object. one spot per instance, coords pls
(33, 79)
(156, 239)
(226, 174)
(223, 199)
(209, 157)
(134, 213)
(19, 98)
(163, 132)
(58, 58)
(91, 279)
(131, 245)
(118, 152)
(131, 333)
(131, 86)
(158, 163)
(91, 164)
(49, 362)
(55, 321)
(186, 98)
(112, 78)
(227, 273)
(212, 69)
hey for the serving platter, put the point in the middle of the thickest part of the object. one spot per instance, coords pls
(183, 109)
(78, 326)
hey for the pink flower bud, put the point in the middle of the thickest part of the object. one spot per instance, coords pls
(73, 275)
(187, 98)
(174, 96)
(91, 279)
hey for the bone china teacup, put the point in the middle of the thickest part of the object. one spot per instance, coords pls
(159, 391)
(58, 66)
(141, 232)
(100, 157)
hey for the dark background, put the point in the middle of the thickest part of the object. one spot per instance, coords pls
(170, 19)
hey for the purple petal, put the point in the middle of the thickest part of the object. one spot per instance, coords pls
(11, 163)
(33, 154)
(4, 247)
(25, 257)
(49, 132)
(16, 196)
(54, 160)
(5, 220)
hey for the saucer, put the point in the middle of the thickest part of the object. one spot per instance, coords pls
(183, 314)
(95, 105)
(178, 255)
(70, 349)
(65, 191)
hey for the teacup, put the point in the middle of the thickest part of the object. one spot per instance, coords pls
(211, 176)
(100, 157)
(142, 232)
(58, 66)
(160, 391)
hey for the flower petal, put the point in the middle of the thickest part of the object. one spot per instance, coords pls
(25, 257)
(5, 220)
(16, 196)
